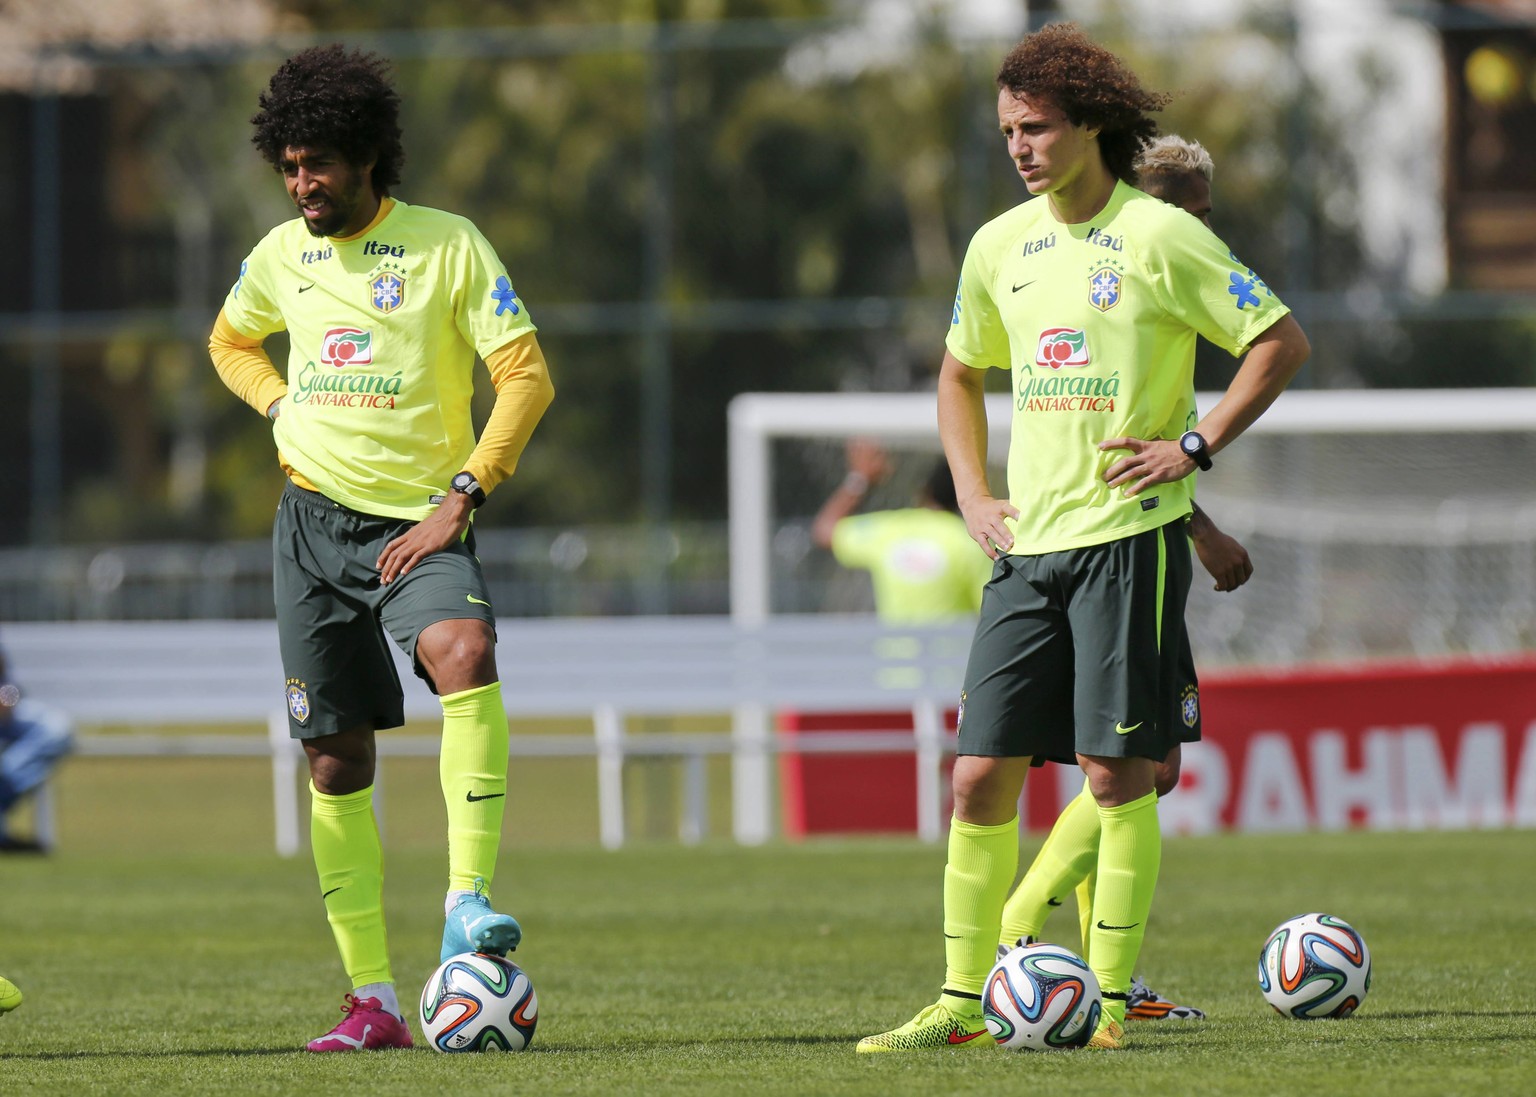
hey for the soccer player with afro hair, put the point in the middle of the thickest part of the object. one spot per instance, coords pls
(387, 307)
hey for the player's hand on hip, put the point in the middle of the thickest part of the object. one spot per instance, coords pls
(435, 532)
(984, 519)
(1159, 461)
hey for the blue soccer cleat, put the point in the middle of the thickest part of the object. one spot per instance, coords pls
(472, 926)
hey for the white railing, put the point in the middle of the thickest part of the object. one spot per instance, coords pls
(185, 675)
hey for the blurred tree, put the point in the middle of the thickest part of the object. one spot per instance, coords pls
(807, 175)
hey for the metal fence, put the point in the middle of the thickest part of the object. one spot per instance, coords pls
(573, 572)
(122, 448)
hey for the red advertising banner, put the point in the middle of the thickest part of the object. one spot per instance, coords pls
(850, 793)
(1411, 746)
(1443, 746)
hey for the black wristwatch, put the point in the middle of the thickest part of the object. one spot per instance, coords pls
(1193, 445)
(465, 484)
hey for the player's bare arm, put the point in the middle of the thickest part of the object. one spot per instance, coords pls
(963, 430)
(1268, 367)
(868, 464)
(1220, 553)
(443, 527)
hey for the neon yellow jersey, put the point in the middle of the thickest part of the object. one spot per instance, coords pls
(383, 330)
(1097, 323)
(924, 565)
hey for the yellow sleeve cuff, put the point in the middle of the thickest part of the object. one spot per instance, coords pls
(243, 366)
(523, 392)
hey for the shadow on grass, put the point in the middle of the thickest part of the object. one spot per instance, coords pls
(1430, 1014)
(1183, 1033)
(667, 1045)
(149, 1056)
(710, 1043)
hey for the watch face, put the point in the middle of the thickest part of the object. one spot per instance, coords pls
(1191, 443)
(462, 481)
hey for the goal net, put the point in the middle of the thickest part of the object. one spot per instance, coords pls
(1381, 523)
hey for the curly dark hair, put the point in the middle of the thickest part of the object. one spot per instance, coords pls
(1091, 86)
(327, 97)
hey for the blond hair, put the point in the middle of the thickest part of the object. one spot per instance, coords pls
(1173, 155)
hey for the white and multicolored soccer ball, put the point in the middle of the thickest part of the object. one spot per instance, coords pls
(1041, 998)
(1314, 965)
(476, 1002)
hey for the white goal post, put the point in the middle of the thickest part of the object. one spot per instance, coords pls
(1381, 522)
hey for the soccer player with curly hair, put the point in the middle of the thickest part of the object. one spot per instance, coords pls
(1092, 295)
(386, 306)
(1179, 172)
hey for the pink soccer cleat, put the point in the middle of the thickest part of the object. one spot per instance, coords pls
(367, 1026)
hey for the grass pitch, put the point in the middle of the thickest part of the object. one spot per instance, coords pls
(154, 964)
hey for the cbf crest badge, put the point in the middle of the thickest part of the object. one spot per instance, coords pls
(298, 701)
(386, 289)
(1189, 705)
(1104, 287)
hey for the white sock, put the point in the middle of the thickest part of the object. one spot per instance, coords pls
(385, 993)
(453, 900)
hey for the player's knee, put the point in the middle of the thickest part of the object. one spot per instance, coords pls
(458, 655)
(1116, 781)
(985, 792)
(341, 764)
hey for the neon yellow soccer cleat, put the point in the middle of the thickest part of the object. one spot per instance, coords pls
(1108, 1037)
(934, 1027)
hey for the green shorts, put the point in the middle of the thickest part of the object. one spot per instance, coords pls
(332, 611)
(1084, 652)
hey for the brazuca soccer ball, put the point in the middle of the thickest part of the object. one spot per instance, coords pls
(477, 1002)
(1314, 965)
(1042, 998)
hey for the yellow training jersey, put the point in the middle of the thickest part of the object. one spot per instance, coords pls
(383, 330)
(1097, 322)
(922, 561)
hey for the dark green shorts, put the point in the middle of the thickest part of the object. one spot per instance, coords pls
(332, 611)
(1084, 652)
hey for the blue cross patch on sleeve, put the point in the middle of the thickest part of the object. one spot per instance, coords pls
(1242, 288)
(505, 297)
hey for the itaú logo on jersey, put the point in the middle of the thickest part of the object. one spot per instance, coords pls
(1060, 347)
(346, 347)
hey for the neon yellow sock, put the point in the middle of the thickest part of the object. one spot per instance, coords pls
(472, 767)
(350, 860)
(981, 867)
(1069, 853)
(1130, 853)
(1085, 911)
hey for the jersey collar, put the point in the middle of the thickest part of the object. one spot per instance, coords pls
(386, 207)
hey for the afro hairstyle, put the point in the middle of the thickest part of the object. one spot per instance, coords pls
(326, 97)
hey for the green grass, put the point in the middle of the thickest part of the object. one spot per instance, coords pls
(166, 951)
